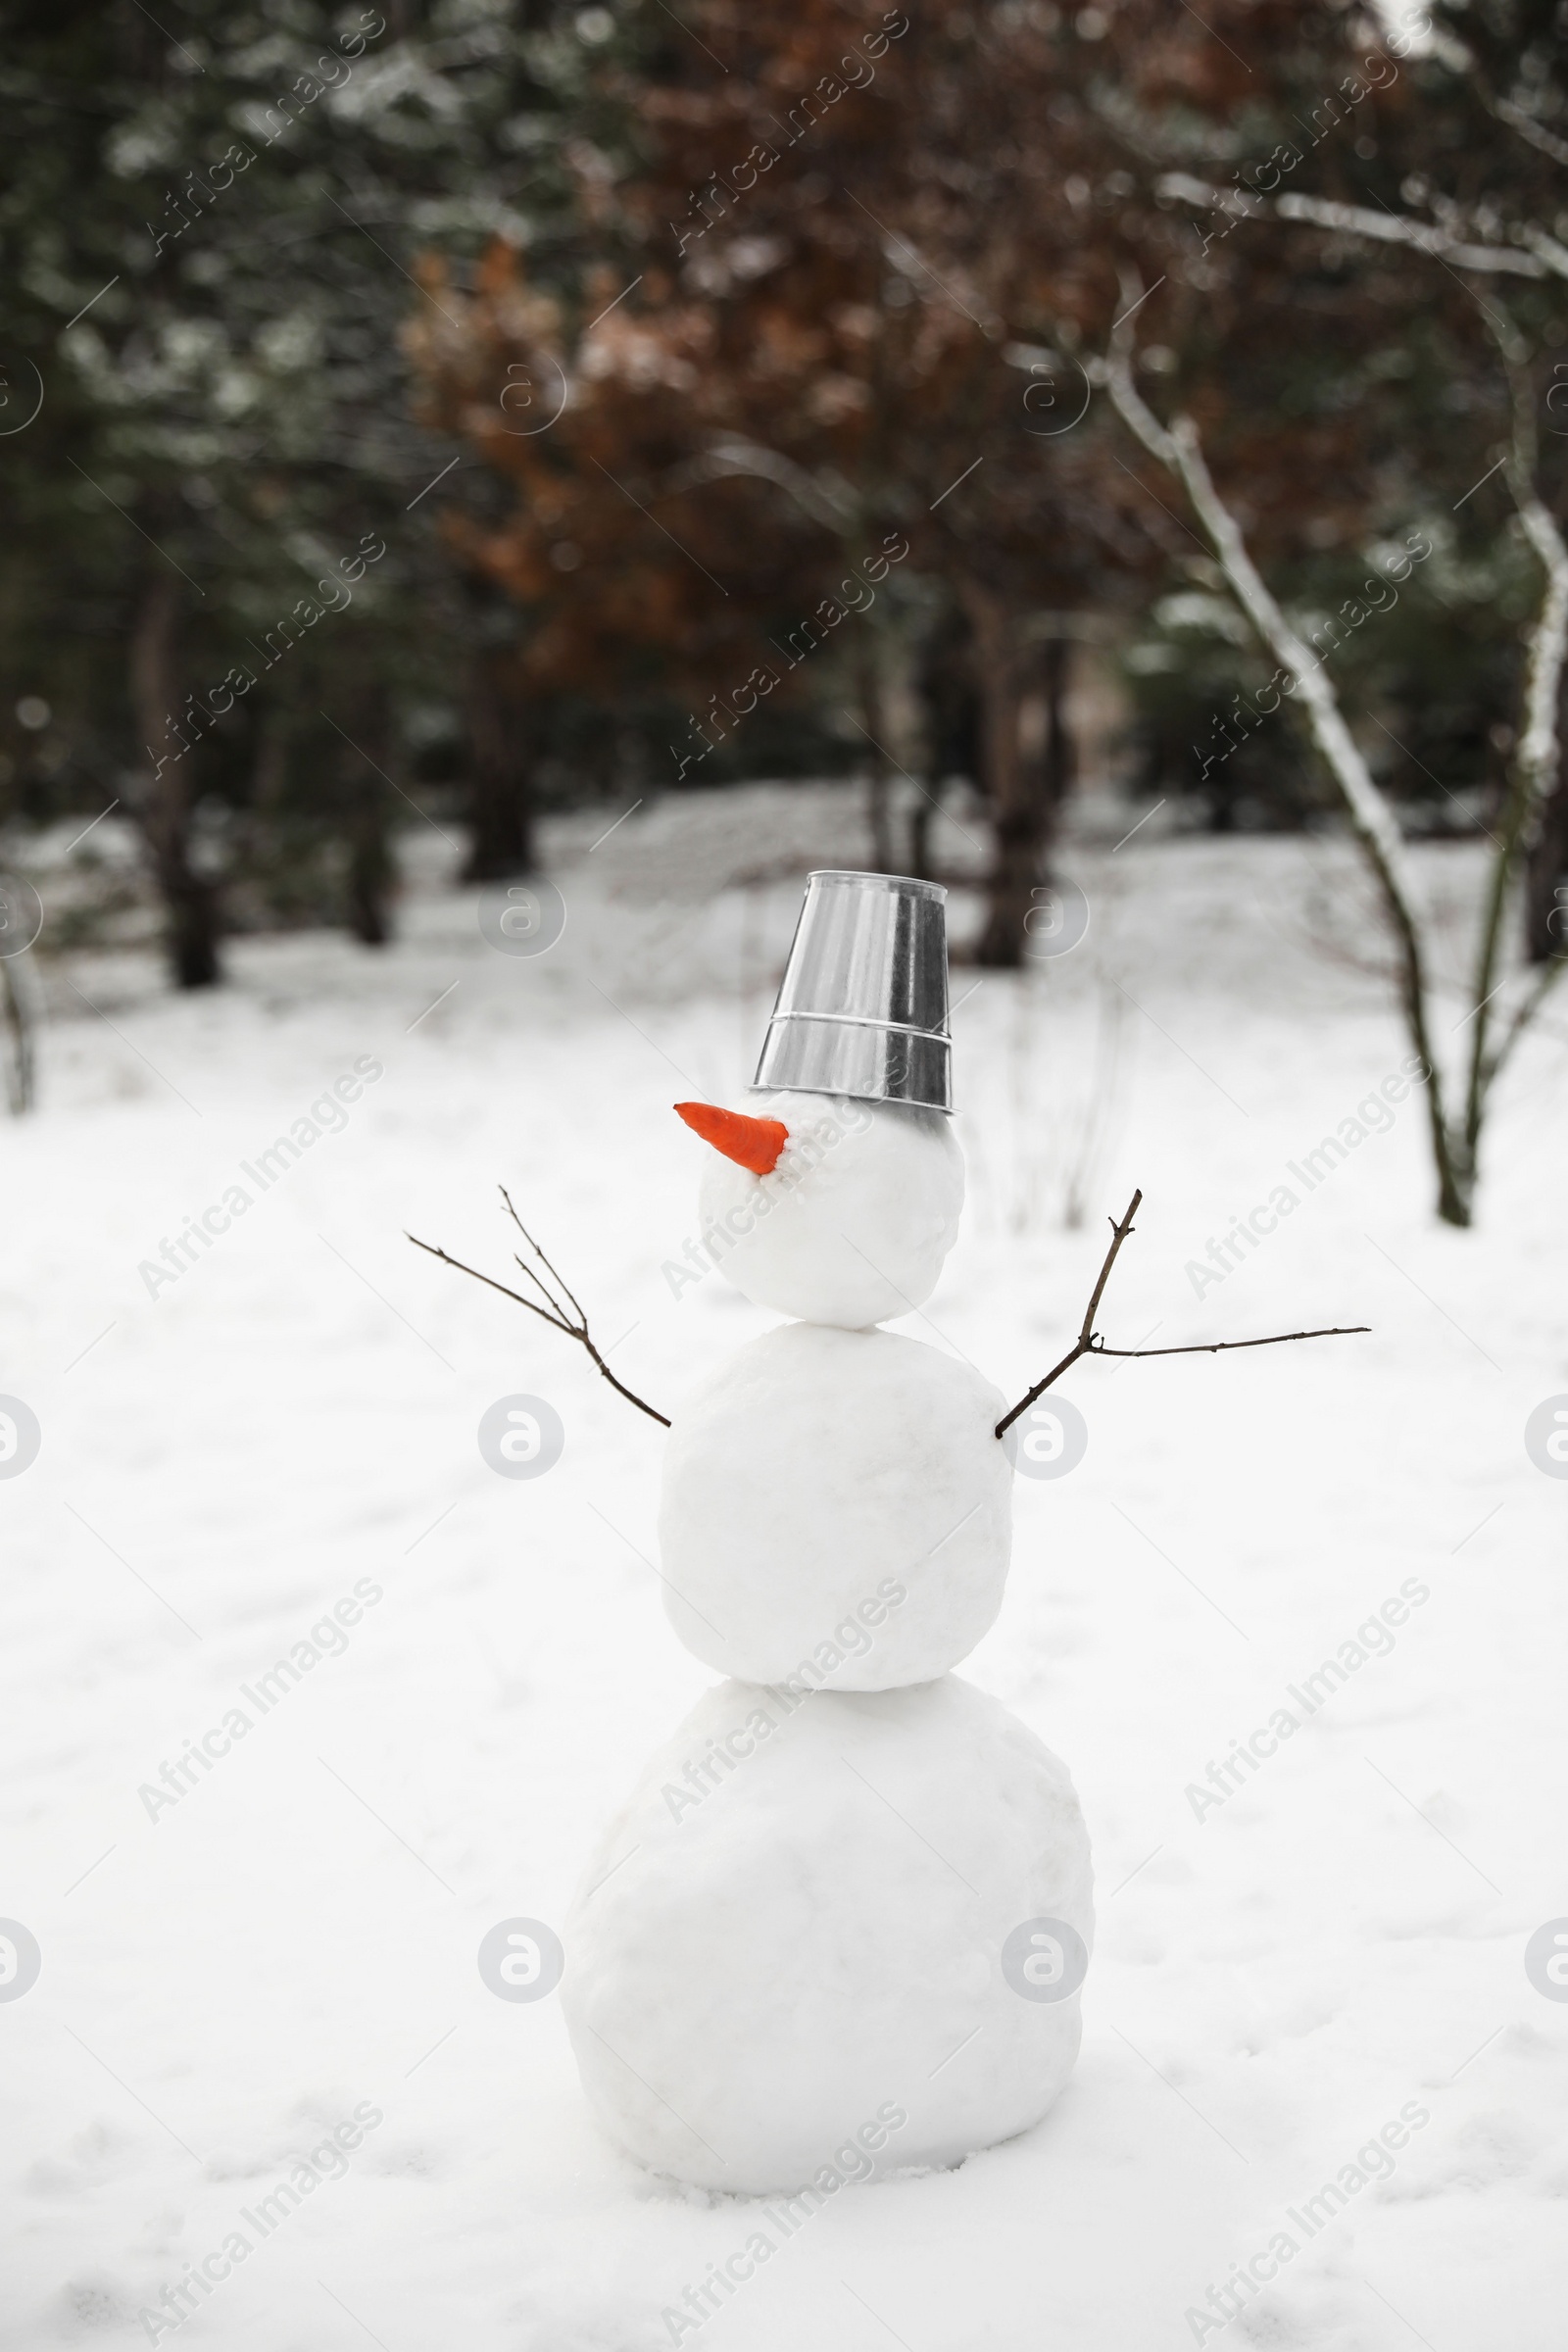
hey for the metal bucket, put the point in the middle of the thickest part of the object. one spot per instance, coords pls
(862, 1009)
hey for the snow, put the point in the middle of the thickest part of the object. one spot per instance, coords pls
(837, 1500)
(239, 1460)
(795, 1928)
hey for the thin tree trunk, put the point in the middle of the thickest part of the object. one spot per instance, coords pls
(927, 806)
(1059, 758)
(371, 871)
(501, 780)
(1371, 818)
(21, 1020)
(1532, 805)
(1020, 818)
(1547, 887)
(1536, 755)
(944, 685)
(190, 904)
(1546, 864)
(879, 783)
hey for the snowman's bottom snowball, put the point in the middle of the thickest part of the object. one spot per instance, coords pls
(762, 1977)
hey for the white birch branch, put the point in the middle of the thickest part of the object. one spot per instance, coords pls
(1545, 258)
(1178, 448)
(1180, 451)
(1525, 123)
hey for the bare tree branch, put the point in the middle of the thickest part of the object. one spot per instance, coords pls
(1089, 1341)
(1544, 257)
(560, 1320)
(825, 498)
(1519, 118)
(1525, 1012)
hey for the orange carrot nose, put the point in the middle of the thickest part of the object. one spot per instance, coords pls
(754, 1144)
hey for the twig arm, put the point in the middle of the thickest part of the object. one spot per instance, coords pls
(1086, 1333)
(620, 1385)
(515, 1296)
(1275, 1339)
(571, 1296)
(1118, 1233)
(1089, 1341)
(573, 1331)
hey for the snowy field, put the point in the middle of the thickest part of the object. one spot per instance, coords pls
(1281, 1973)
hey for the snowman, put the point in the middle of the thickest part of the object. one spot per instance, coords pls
(839, 1925)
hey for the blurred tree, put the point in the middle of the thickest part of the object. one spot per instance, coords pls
(209, 235)
(1293, 423)
(774, 400)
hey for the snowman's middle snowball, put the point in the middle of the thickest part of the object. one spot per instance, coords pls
(836, 1509)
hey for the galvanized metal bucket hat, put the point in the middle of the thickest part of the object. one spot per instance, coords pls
(863, 1007)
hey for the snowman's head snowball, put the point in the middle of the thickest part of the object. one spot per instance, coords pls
(853, 1219)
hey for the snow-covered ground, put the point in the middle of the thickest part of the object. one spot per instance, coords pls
(1281, 1974)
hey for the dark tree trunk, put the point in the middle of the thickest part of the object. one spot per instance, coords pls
(190, 904)
(1025, 795)
(945, 682)
(951, 705)
(1018, 817)
(1546, 865)
(20, 991)
(1059, 760)
(501, 781)
(371, 873)
(879, 785)
(925, 808)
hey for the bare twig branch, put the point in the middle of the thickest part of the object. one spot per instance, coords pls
(515, 1296)
(1081, 1345)
(559, 1321)
(1118, 1233)
(1275, 1339)
(571, 1297)
(1089, 1341)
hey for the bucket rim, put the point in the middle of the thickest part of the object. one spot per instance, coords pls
(888, 882)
